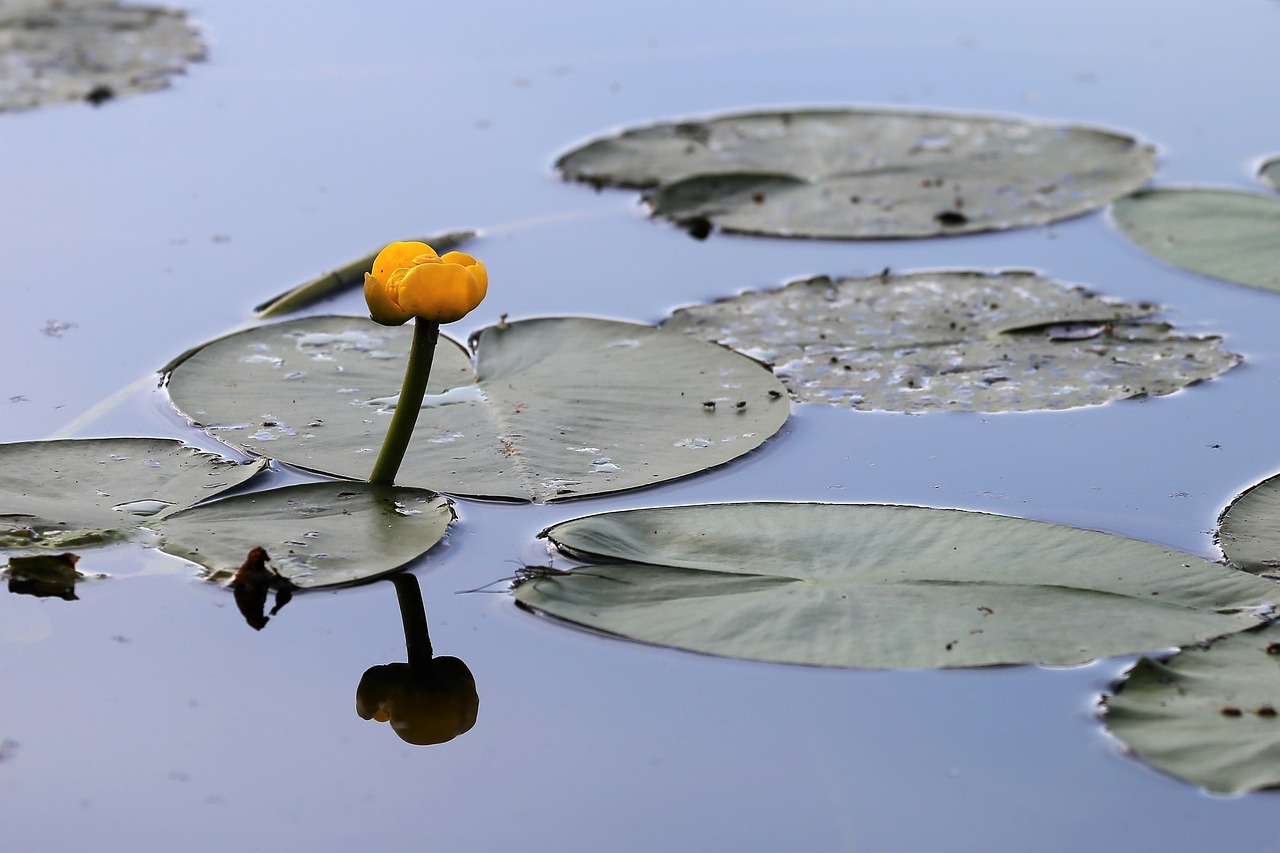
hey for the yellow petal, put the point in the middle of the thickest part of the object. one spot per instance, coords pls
(381, 306)
(478, 271)
(397, 256)
(440, 292)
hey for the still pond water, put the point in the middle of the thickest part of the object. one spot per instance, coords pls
(148, 716)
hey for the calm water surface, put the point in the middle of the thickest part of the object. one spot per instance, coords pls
(148, 716)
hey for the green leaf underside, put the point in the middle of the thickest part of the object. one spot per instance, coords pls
(1269, 173)
(85, 492)
(90, 49)
(348, 277)
(555, 408)
(1223, 234)
(1249, 529)
(1207, 715)
(317, 534)
(865, 173)
(955, 340)
(873, 586)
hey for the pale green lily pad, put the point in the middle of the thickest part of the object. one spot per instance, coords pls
(1207, 715)
(1224, 234)
(1249, 529)
(554, 408)
(348, 277)
(85, 492)
(870, 174)
(1269, 173)
(316, 534)
(860, 585)
(955, 340)
(91, 50)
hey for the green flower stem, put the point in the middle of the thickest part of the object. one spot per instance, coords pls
(408, 404)
(414, 617)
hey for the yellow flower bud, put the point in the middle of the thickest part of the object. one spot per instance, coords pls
(410, 280)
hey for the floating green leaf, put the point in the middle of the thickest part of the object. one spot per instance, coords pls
(861, 585)
(84, 492)
(316, 534)
(1249, 529)
(1207, 715)
(1225, 234)
(554, 408)
(955, 340)
(89, 50)
(865, 173)
(346, 277)
(1269, 173)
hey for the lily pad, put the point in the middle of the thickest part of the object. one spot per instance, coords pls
(1223, 234)
(1269, 173)
(956, 340)
(84, 492)
(1249, 529)
(1210, 715)
(554, 408)
(316, 534)
(860, 585)
(871, 174)
(90, 50)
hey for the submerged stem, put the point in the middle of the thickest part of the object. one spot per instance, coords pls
(408, 404)
(414, 616)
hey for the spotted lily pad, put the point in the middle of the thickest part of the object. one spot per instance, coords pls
(1249, 529)
(955, 340)
(1209, 715)
(91, 50)
(1224, 234)
(864, 173)
(860, 585)
(84, 492)
(316, 534)
(553, 408)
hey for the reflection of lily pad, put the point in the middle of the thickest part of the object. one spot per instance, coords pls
(1249, 529)
(316, 534)
(1210, 715)
(555, 408)
(1269, 173)
(885, 586)
(865, 173)
(44, 575)
(1225, 234)
(958, 340)
(90, 50)
(59, 494)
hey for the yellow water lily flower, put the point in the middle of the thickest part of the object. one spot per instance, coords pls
(410, 280)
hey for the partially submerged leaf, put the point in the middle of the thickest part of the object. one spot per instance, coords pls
(44, 575)
(1223, 234)
(90, 50)
(84, 492)
(1249, 529)
(860, 585)
(955, 340)
(316, 534)
(554, 408)
(1269, 173)
(865, 173)
(348, 277)
(1210, 716)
